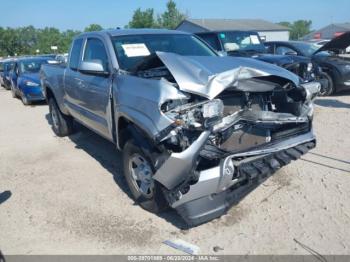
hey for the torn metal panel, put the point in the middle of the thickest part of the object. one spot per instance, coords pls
(139, 100)
(180, 164)
(220, 178)
(209, 76)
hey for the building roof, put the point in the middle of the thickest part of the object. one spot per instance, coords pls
(328, 31)
(236, 24)
(344, 25)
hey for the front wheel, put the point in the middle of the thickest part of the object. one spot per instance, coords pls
(25, 100)
(138, 172)
(327, 89)
(62, 125)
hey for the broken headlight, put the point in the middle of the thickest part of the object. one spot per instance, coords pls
(197, 115)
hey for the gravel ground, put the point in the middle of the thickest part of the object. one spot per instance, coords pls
(67, 195)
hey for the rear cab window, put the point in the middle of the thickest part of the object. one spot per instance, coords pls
(75, 54)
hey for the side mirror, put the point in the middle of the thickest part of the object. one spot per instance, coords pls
(222, 53)
(93, 67)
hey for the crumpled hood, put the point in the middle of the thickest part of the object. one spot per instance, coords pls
(339, 43)
(208, 76)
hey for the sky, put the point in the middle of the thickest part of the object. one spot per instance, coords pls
(77, 14)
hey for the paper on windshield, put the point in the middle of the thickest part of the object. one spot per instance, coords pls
(133, 50)
(254, 39)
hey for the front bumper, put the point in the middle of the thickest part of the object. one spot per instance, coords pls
(33, 93)
(219, 187)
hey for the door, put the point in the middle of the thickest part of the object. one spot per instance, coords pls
(94, 89)
(71, 80)
(14, 74)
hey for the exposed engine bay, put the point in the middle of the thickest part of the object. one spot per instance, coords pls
(242, 122)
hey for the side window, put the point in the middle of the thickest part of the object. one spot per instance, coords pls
(212, 40)
(96, 51)
(270, 48)
(282, 50)
(75, 54)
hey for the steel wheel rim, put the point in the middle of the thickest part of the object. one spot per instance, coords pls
(328, 88)
(141, 175)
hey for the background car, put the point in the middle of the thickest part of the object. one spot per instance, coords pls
(330, 57)
(249, 44)
(7, 67)
(1, 73)
(319, 42)
(25, 81)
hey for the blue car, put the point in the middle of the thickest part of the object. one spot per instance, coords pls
(25, 81)
(7, 66)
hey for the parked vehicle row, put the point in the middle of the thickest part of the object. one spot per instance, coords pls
(5, 69)
(320, 61)
(21, 76)
(335, 66)
(197, 131)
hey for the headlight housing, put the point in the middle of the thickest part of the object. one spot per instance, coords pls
(196, 115)
(30, 83)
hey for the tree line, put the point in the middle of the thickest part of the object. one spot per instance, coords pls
(30, 41)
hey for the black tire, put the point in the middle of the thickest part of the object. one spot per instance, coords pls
(13, 92)
(25, 100)
(154, 201)
(7, 87)
(329, 88)
(62, 125)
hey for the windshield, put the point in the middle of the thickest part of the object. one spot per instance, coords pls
(307, 49)
(241, 41)
(132, 49)
(31, 66)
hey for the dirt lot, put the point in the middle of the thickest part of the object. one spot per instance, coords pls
(68, 195)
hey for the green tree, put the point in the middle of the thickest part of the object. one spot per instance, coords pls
(93, 27)
(142, 19)
(171, 17)
(10, 42)
(47, 37)
(298, 28)
(66, 39)
(26, 40)
(146, 19)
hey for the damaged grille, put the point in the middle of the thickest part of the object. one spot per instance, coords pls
(250, 134)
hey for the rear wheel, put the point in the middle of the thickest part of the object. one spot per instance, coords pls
(138, 172)
(62, 125)
(328, 88)
(13, 92)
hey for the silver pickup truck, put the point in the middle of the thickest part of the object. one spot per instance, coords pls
(197, 131)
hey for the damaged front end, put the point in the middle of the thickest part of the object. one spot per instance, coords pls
(238, 121)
